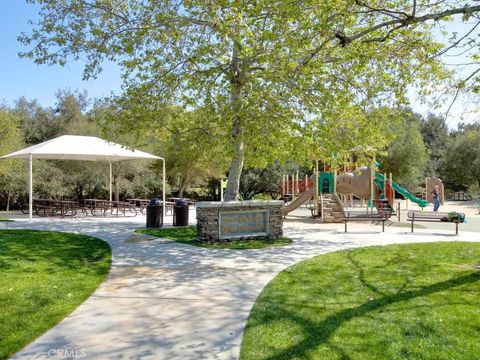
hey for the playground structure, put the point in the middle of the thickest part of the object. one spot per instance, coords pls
(326, 189)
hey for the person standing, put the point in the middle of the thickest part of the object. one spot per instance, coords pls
(436, 198)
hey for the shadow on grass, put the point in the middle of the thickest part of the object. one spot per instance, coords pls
(188, 235)
(320, 333)
(64, 250)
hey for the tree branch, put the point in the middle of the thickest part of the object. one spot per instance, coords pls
(411, 20)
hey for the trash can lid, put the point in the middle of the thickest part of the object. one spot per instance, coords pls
(181, 202)
(154, 201)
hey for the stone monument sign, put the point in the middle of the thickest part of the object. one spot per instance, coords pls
(233, 220)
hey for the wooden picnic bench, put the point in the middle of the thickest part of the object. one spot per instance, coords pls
(99, 207)
(47, 207)
(44, 207)
(382, 216)
(435, 216)
(140, 203)
(143, 203)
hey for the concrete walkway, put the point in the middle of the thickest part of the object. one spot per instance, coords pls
(164, 300)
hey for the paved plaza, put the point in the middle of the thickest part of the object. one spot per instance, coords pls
(165, 300)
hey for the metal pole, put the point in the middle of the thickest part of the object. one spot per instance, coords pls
(298, 189)
(372, 185)
(391, 187)
(110, 182)
(163, 190)
(30, 188)
(335, 181)
(317, 200)
(293, 185)
(426, 189)
(221, 189)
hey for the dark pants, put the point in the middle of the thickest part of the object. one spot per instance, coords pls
(436, 204)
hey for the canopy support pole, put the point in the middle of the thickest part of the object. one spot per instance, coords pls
(30, 188)
(163, 190)
(110, 182)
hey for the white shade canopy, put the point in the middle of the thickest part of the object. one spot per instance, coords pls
(72, 147)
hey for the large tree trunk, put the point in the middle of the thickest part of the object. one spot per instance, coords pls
(183, 186)
(236, 166)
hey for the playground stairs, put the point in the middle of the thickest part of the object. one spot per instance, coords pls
(332, 209)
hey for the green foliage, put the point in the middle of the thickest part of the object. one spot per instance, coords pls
(261, 70)
(12, 171)
(415, 301)
(11, 136)
(461, 161)
(192, 142)
(29, 122)
(435, 135)
(188, 235)
(45, 276)
(268, 180)
(348, 130)
(406, 154)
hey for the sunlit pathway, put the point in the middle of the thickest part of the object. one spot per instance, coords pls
(164, 300)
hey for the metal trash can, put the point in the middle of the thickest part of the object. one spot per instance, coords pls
(154, 213)
(180, 213)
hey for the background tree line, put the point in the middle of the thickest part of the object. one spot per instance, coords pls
(268, 76)
(197, 152)
(191, 158)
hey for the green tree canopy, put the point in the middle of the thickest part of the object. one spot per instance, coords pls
(406, 154)
(461, 162)
(435, 135)
(12, 174)
(265, 67)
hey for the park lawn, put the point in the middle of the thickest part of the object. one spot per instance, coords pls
(187, 235)
(44, 277)
(415, 301)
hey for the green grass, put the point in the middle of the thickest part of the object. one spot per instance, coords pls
(44, 277)
(417, 301)
(187, 235)
(5, 219)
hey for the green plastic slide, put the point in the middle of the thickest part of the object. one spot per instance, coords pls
(379, 180)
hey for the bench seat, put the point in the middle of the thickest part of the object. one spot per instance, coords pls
(435, 216)
(365, 217)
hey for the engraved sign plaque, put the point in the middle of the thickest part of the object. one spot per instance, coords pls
(243, 224)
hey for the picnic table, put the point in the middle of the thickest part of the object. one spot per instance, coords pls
(100, 207)
(141, 204)
(48, 207)
(459, 196)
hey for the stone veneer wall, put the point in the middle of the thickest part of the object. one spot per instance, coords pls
(208, 218)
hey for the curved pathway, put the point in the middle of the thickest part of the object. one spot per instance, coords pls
(164, 300)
